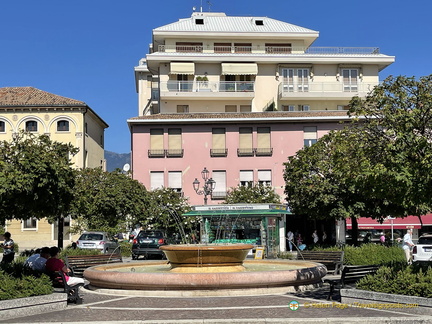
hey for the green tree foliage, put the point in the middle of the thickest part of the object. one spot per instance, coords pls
(398, 114)
(106, 200)
(36, 177)
(165, 211)
(257, 193)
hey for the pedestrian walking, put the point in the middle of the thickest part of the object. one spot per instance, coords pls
(408, 245)
(290, 239)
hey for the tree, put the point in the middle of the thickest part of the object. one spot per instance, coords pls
(165, 211)
(107, 201)
(36, 178)
(257, 193)
(378, 166)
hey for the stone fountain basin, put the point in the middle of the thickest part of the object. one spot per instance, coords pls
(209, 255)
(123, 276)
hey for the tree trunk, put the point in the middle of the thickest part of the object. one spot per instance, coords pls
(354, 230)
(60, 232)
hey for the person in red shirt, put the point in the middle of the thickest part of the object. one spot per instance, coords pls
(55, 264)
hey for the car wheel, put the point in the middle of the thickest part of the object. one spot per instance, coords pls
(134, 257)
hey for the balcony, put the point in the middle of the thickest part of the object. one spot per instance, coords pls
(245, 152)
(264, 151)
(207, 89)
(324, 89)
(174, 153)
(156, 153)
(269, 50)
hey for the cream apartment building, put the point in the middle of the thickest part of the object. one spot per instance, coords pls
(64, 120)
(237, 96)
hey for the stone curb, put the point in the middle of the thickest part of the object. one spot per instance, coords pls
(32, 305)
(364, 295)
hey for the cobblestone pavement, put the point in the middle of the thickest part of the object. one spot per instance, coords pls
(313, 308)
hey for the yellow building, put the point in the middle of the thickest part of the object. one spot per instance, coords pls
(64, 120)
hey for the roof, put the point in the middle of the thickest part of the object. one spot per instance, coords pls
(219, 22)
(29, 96)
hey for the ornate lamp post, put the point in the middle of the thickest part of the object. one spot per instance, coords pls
(208, 187)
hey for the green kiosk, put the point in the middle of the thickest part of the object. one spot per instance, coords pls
(262, 225)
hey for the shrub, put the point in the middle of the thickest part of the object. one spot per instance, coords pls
(370, 254)
(70, 251)
(27, 286)
(285, 255)
(415, 280)
(126, 248)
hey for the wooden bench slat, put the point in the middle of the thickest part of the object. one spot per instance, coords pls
(78, 263)
(333, 260)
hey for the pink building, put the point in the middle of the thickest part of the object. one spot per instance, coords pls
(237, 96)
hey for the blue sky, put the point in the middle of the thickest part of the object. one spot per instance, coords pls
(87, 49)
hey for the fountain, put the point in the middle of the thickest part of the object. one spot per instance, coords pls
(205, 270)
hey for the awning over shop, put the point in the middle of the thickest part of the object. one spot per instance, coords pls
(239, 68)
(398, 223)
(182, 68)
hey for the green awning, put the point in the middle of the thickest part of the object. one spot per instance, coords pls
(251, 212)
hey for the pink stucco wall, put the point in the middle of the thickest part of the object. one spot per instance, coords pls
(286, 139)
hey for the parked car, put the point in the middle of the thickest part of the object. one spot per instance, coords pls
(422, 251)
(98, 240)
(147, 243)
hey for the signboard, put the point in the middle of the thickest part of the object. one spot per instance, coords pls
(259, 252)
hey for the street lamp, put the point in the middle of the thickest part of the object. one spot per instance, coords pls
(208, 187)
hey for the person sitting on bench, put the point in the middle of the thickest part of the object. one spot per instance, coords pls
(54, 264)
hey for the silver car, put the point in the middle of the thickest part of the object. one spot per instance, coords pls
(422, 251)
(98, 240)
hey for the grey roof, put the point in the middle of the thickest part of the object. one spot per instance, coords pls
(219, 22)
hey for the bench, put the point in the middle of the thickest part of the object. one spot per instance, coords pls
(59, 281)
(78, 263)
(350, 274)
(333, 260)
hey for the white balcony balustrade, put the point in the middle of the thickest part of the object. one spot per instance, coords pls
(207, 86)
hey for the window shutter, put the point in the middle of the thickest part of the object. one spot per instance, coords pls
(310, 132)
(245, 140)
(156, 179)
(174, 139)
(220, 178)
(175, 179)
(246, 175)
(264, 176)
(156, 139)
(218, 138)
(263, 137)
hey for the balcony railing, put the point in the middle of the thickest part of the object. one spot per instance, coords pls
(286, 88)
(208, 86)
(165, 153)
(218, 152)
(270, 50)
(264, 151)
(245, 152)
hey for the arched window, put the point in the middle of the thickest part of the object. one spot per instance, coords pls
(2, 127)
(62, 126)
(31, 126)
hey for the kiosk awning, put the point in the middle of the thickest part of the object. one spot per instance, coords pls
(239, 68)
(254, 212)
(182, 68)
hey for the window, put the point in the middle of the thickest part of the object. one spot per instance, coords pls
(187, 47)
(243, 47)
(218, 143)
(245, 108)
(156, 179)
(175, 181)
(295, 80)
(263, 142)
(156, 143)
(2, 127)
(230, 108)
(264, 177)
(62, 126)
(278, 48)
(303, 107)
(175, 142)
(30, 224)
(309, 135)
(199, 21)
(341, 107)
(222, 47)
(31, 126)
(246, 178)
(288, 107)
(245, 142)
(350, 79)
(219, 191)
(182, 108)
(259, 22)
